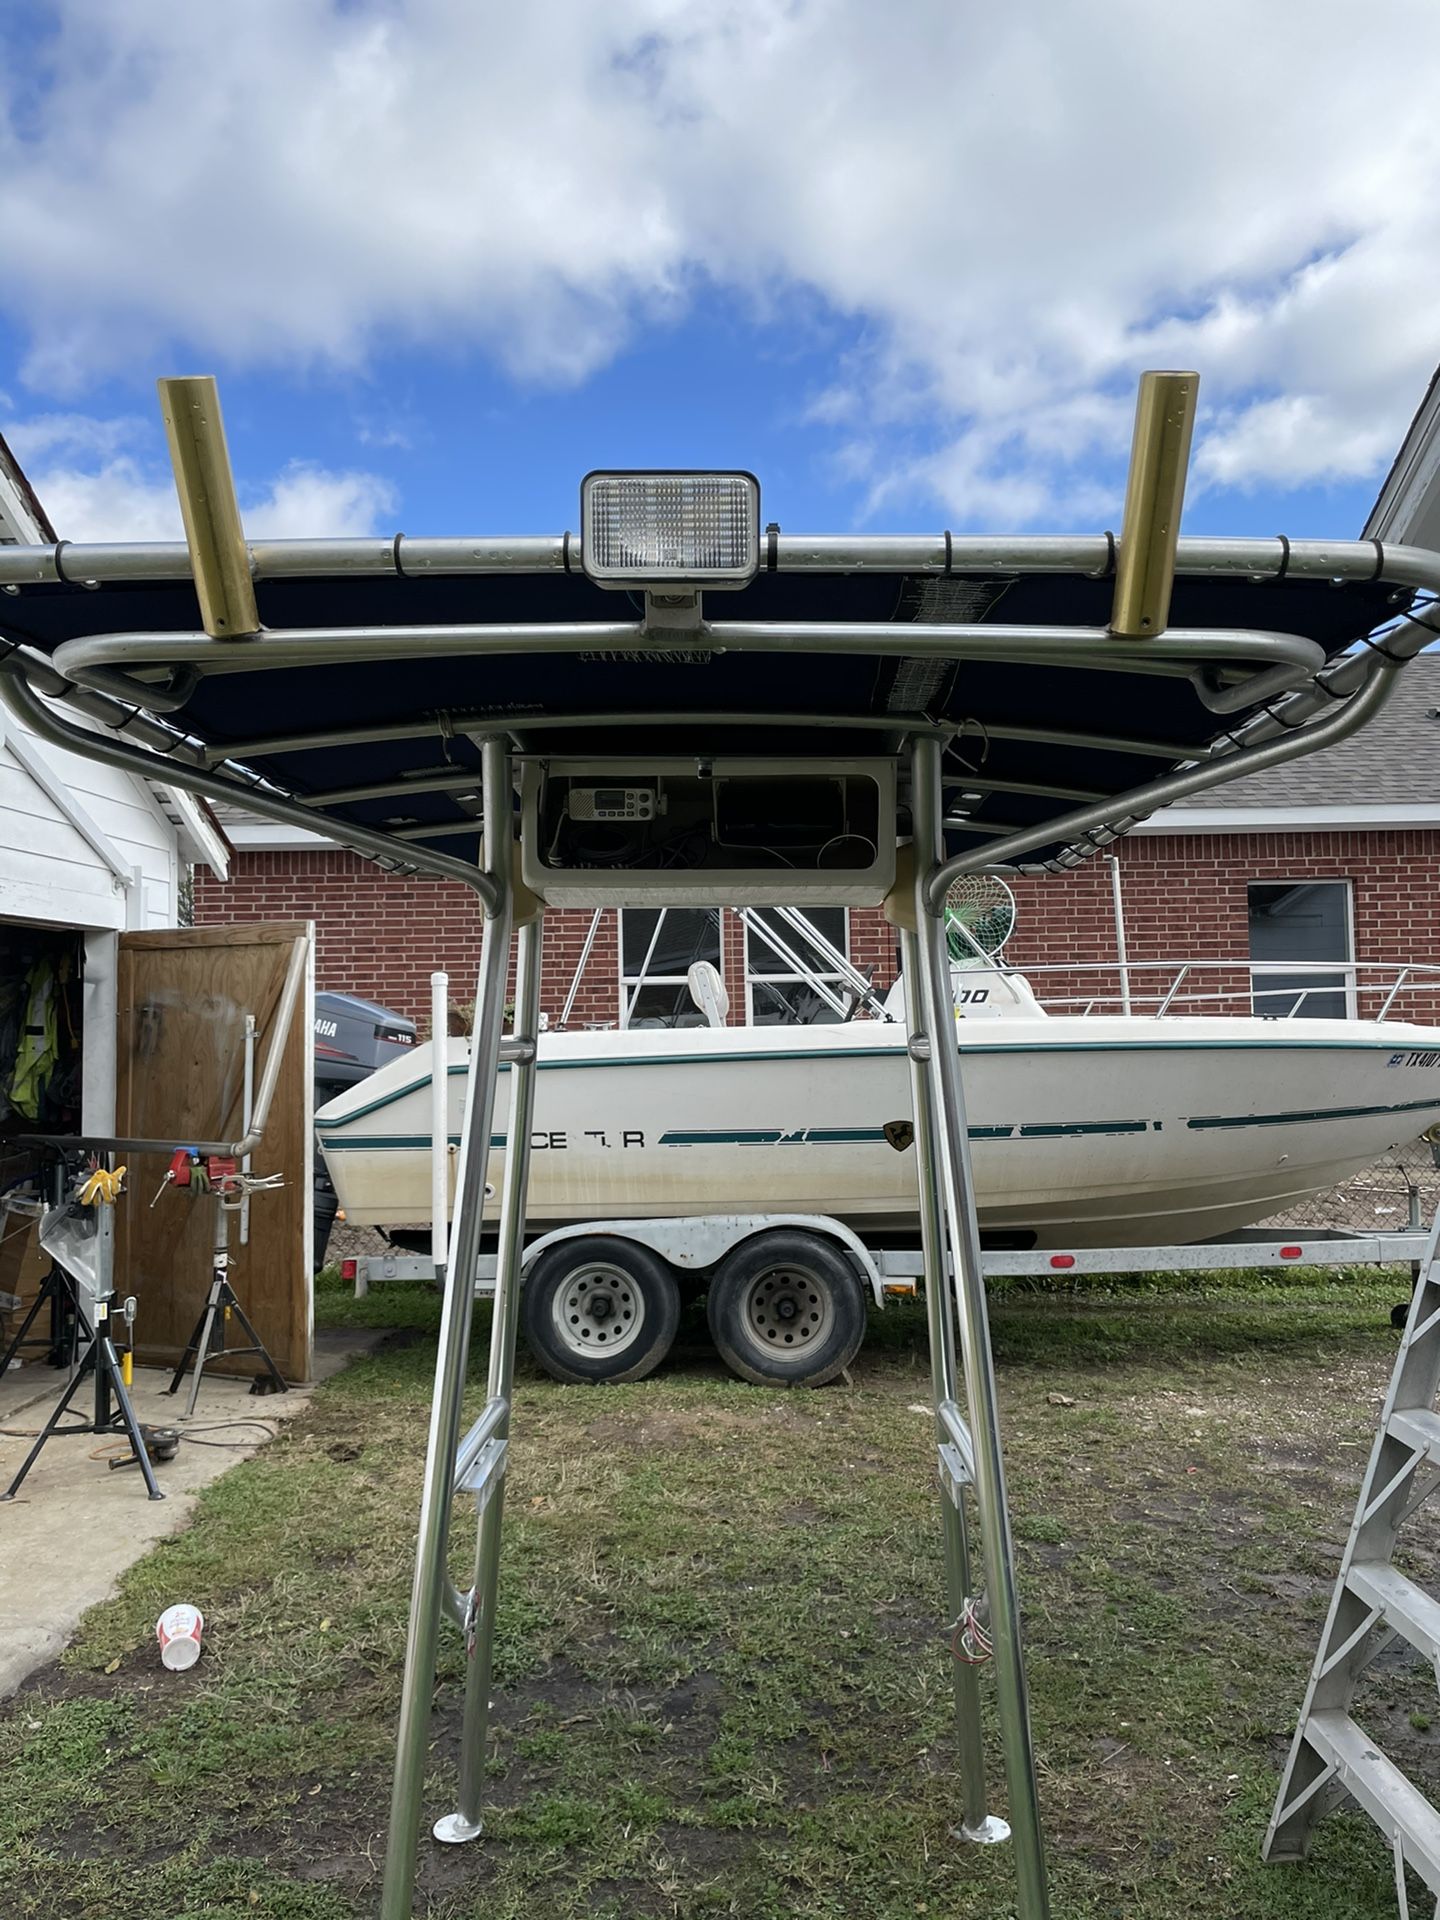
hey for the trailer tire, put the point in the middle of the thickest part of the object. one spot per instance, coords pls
(598, 1310)
(786, 1310)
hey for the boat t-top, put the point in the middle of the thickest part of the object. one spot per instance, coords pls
(682, 704)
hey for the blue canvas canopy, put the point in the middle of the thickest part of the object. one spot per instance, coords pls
(995, 643)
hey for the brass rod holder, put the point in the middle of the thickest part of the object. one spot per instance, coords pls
(1154, 497)
(219, 557)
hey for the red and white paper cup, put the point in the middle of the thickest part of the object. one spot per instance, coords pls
(178, 1630)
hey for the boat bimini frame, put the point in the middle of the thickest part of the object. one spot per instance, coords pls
(1290, 646)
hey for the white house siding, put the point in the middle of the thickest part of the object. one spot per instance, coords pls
(50, 872)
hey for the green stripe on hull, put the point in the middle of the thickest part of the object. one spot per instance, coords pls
(870, 1136)
(393, 1142)
(897, 1051)
(1298, 1119)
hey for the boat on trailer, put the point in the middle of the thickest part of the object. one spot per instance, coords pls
(1086, 1129)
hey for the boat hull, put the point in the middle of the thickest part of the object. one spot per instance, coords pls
(1083, 1132)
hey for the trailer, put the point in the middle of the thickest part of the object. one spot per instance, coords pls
(787, 1294)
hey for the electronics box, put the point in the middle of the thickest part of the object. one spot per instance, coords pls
(697, 832)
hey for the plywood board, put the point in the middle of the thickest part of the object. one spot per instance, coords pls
(182, 999)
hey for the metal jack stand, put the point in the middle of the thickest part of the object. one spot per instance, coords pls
(113, 1411)
(208, 1342)
(57, 1291)
(101, 1359)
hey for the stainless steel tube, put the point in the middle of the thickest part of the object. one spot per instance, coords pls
(1174, 653)
(976, 1822)
(465, 1823)
(942, 1068)
(795, 553)
(19, 696)
(275, 1053)
(413, 1733)
(1141, 801)
(439, 1119)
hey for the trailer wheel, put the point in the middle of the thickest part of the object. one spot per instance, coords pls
(786, 1309)
(599, 1309)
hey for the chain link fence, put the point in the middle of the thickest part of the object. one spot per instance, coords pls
(1401, 1189)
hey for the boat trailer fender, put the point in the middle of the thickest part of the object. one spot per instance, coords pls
(696, 1244)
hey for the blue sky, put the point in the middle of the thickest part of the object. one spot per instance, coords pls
(903, 263)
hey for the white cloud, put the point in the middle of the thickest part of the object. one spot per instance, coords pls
(306, 500)
(1017, 207)
(95, 488)
(1297, 440)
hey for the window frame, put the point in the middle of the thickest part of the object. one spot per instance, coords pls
(1345, 968)
(835, 980)
(631, 985)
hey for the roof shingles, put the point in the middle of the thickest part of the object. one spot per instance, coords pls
(1395, 758)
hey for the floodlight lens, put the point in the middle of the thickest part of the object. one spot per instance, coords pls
(638, 527)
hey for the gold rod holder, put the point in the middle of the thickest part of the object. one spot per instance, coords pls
(219, 557)
(1154, 498)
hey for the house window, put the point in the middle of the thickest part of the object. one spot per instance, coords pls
(782, 965)
(658, 947)
(1306, 923)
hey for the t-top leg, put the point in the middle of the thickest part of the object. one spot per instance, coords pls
(977, 1822)
(465, 1823)
(942, 1070)
(412, 1738)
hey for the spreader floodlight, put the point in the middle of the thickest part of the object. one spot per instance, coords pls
(647, 529)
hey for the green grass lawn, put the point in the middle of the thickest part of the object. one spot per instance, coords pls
(721, 1683)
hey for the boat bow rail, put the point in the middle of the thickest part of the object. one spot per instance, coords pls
(1377, 991)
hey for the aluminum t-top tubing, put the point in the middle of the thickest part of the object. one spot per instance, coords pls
(977, 1822)
(504, 1327)
(753, 923)
(431, 1579)
(100, 660)
(23, 701)
(1139, 802)
(644, 967)
(578, 975)
(275, 1052)
(519, 728)
(1274, 558)
(943, 1069)
(439, 1119)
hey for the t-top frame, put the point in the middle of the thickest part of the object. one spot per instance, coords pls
(102, 660)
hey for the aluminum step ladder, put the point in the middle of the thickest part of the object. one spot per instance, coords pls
(1374, 1604)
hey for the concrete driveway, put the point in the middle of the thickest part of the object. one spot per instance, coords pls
(75, 1525)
